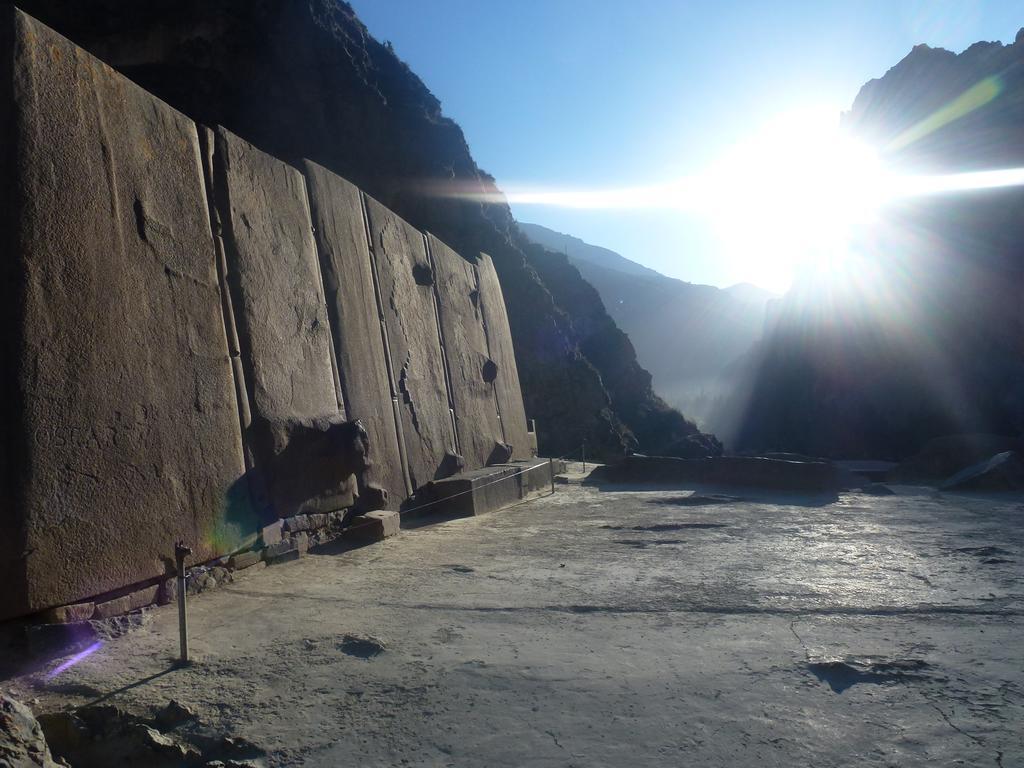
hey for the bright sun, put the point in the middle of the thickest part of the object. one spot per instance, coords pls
(786, 201)
(790, 197)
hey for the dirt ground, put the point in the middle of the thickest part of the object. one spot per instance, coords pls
(613, 628)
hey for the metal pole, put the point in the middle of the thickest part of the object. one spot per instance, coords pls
(180, 553)
(551, 471)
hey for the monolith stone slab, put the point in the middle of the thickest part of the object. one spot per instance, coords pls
(281, 319)
(405, 280)
(471, 371)
(501, 351)
(337, 210)
(121, 432)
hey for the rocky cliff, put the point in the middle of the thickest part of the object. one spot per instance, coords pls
(926, 337)
(687, 335)
(305, 80)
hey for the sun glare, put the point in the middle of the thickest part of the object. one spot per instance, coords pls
(790, 197)
(788, 200)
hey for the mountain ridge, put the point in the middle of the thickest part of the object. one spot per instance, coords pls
(928, 339)
(686, 334)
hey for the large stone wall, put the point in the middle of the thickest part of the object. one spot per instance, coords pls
(499, 345)
(192, 327)
(273, 277)
(405, 279)
(12, 531)
(471, 370)
(340, 226)
(124, 427)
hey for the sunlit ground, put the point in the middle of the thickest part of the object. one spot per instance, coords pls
(607, 628)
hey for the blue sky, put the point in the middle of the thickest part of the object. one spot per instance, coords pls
(600, 94)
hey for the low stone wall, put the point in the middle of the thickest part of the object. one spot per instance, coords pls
(297, 536)
(488, 489)
(193, 328)
(749, 471)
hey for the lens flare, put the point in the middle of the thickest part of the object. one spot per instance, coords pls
(795, 195)
(81, 656)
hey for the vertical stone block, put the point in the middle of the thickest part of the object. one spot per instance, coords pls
(499, 344)
(12, 522)
(337, 211)
(284, 337)
(119, 428)
(471, 370)
(405, 279)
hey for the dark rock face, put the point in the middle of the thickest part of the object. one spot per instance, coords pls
(696, 446)
(931, 342)
(101, 735)
(305, 80)
(639, 418)
(686, 335)
(310, 465)
(115, 370)
(22, 742)
(1002, 472)
(340, 228)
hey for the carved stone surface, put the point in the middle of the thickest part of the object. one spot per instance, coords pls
(471, 370)
(118, 408)
(337, 212)
(499, 343)
(406, 287)
(275, 283)
(279, 312)
(310, 465)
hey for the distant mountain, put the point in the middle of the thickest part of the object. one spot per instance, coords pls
(686, 335)
(748, 293)
(579, 251)
(926, 338)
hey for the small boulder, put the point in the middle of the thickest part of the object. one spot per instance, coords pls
(1002, 472)
(221, 575)
(22, 742)
(942, 457)
(500, 454)
(173, 715)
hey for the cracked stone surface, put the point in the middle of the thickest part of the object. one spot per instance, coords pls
(359, 347)
(499, 344)
(115, 368)
(410, 315)
(466, 350)
(275, 284)
(862, 630)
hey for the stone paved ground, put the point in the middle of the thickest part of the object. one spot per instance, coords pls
(596, 628)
